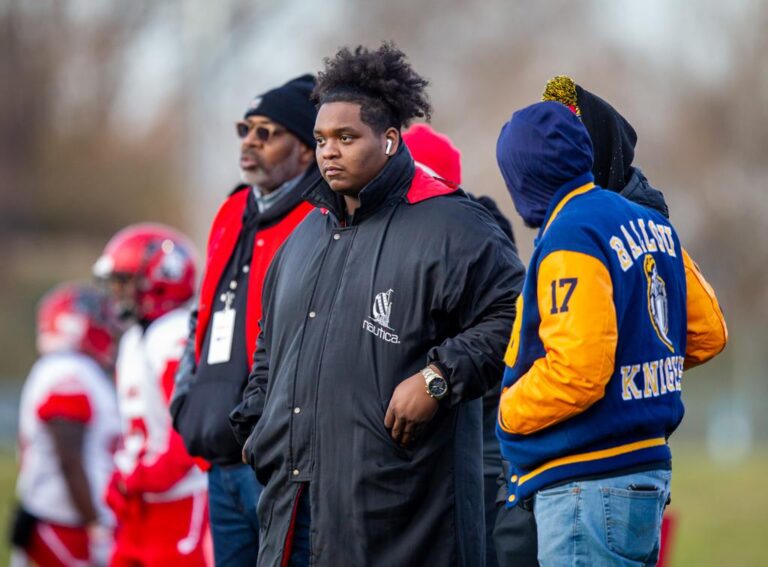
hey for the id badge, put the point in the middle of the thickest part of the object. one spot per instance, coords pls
(222, 329)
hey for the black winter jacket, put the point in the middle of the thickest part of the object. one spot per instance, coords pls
(421, 275)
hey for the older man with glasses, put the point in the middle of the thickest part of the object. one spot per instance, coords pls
(276, 166)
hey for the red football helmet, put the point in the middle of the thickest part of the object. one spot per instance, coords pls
(158, 261)
(76, 317)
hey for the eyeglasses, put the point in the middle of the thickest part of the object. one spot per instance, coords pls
(263, 134)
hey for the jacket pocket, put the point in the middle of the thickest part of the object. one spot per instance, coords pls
(203, 421)
(385, 436)
(404, 453)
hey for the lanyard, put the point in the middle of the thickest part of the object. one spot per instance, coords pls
(243, 255)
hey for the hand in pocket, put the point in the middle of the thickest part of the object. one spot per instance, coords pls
(409, 410)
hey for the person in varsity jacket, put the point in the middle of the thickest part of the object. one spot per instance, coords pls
(613, 144)
(277, 165)
(157, 493)
(68, 431)
(612, 311)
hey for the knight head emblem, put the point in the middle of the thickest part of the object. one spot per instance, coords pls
(657, 301)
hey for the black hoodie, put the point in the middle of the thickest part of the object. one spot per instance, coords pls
(613, 145)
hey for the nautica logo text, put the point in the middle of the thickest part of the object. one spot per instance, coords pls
(381, 310)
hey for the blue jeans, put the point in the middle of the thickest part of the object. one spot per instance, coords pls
(610, 521)
(233, 493)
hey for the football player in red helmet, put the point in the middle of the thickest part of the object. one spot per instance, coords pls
(77, 318)
(151, 269)
(68, 432)
(158, 495)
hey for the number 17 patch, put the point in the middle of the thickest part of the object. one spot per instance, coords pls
(563, 289)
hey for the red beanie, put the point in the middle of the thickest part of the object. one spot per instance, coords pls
(434, 152)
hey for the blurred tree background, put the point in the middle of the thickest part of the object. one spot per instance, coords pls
(113, 112)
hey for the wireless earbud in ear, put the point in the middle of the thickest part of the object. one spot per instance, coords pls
(389, 146)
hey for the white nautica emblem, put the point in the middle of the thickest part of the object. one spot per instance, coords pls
(380, 312)
(382, 308)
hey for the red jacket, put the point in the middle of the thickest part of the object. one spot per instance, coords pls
(222, 240)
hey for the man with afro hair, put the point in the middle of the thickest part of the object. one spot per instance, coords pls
(386, 315)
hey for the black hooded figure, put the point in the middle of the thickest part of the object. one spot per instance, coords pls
(613, 143)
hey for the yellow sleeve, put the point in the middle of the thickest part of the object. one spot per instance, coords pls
(510, 356)
(578, 331)
(707, 332)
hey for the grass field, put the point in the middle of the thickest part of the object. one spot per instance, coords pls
(7, 484)
(722, 512)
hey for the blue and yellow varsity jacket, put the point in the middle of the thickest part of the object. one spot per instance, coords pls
(612, 311)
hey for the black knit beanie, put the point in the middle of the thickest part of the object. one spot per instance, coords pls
(289, 106)
(613, 138)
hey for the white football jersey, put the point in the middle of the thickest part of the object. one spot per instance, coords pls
(146, 362)
(73, 386)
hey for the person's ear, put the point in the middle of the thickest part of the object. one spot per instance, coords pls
(307, 155)
(392, 141)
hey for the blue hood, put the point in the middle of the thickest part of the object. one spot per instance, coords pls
(540, 149)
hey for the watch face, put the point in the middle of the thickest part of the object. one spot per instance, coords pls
(438, 387)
